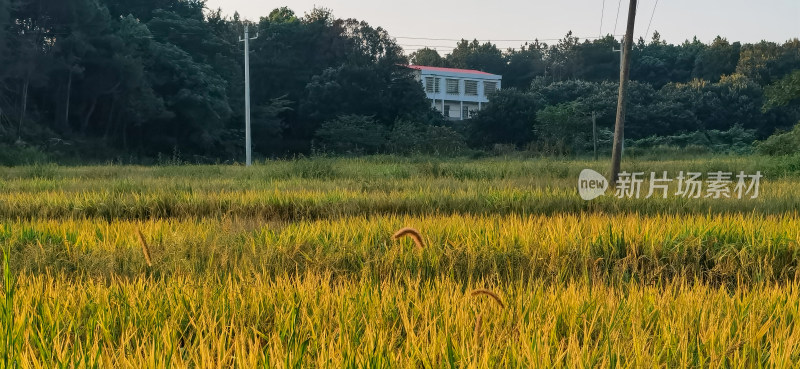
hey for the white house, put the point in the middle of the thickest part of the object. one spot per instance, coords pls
(457, 93)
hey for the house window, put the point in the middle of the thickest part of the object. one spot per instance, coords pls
(447, 111)
(471, 88)
(432, 85)
(489, 88)
(465, 112)
(452, 87)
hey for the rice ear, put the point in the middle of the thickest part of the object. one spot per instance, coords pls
(478, 325)
(483, 291)
(410, 232)
(145, 248)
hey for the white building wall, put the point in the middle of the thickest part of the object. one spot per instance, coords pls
(456, 102)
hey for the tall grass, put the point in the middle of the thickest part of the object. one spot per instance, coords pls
(312, 320)
(10, 329)
(292, 264)
(324, 200)
(720, 249)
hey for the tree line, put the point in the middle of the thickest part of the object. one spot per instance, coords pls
(102, 79)
(551, 91)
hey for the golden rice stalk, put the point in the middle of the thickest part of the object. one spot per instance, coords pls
(483, 291)
(145, 248)
(410, 232)
(478, 325)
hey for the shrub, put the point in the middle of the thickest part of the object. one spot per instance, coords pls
(781, 143)
(21, 155)
(352, 134)
(415, 138)
(507, 119)
(562, 129)
(736, 140)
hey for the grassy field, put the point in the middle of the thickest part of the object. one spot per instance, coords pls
(291, 264)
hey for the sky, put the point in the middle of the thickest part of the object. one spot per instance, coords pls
(507, 22)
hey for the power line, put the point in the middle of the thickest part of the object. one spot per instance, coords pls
(493, 40)
(428, 46)
(651, 19)
(450, 48)
(602, 13)
(619, 4)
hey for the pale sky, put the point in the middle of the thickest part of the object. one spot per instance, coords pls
(506, 21)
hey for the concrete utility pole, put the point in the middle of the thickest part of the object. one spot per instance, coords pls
(247, 142)
(594, 133)
(621, 54)
(624, 74)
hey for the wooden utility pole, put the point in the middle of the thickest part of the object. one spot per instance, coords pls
(624, 74)
(621, 52)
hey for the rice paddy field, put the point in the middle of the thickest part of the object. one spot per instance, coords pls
(292, 264)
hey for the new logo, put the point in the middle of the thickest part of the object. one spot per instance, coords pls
(591, 184)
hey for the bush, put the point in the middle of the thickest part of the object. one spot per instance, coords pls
(415, 138)
(782, 166)
(352, 134)
(781, 143)
(504, 149)
(317, 168)
(21, 155)
(736, 140)
(666, 151)
(508, 118)
(562, 129)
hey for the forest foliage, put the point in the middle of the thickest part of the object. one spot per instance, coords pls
(113, 79)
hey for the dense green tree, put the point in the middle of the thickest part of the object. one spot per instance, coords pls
(372, 81)
(352, 134)
(409, 137)
(144, 9)
(268, 124)
(564, 59)
(192, 92)
(192, 34)
(120, 78)
(138, 105)
(4, 26)
(718, 59)
(781, 143)
(289, 53)
(508, 119)
(784, 92)
(562, 129)
(564, 91)
(674, 108)
(767, 62)
(88, 65)
(30, 59)
(523, 65)
(597, 61)
(485, 57)
(659, 63)
(384, 92)
(428, 57)
(282, 15)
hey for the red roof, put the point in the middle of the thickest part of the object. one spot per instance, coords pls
(451, 70)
